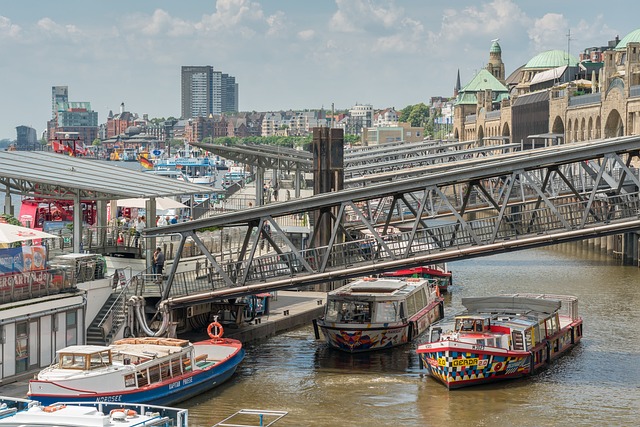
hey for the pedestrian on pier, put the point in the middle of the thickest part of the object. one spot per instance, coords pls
(158, 264)
(140, 226)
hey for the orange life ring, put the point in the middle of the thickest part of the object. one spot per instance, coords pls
(219, 329)
(126, 412)
(53, 408)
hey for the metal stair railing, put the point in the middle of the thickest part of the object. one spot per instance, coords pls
(111, 320)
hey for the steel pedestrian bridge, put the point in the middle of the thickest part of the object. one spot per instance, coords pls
(421, 215)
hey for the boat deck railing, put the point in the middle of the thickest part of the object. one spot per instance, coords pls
(257, 418)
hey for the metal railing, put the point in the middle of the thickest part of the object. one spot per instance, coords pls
(32, 284)
(522, 221)
(591, 98)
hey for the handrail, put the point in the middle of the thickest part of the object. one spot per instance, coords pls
(121, 295)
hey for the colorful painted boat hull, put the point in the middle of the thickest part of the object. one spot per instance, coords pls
(458, 364)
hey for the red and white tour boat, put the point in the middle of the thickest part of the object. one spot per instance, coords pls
(501, 337)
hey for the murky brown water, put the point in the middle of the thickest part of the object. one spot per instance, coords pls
(598, 383)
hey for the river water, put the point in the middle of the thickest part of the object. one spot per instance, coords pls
(598, 383)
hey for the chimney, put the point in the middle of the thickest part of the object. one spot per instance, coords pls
(122, 108)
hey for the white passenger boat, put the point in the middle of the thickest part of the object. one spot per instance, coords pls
(377, 313)
(501, 337)
(22, 412)
(161, 371)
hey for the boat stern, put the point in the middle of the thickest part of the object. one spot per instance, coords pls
(355, 340)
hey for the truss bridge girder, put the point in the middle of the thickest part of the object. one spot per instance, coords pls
(507, 202)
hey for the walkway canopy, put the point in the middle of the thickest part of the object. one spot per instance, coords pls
(55, 176)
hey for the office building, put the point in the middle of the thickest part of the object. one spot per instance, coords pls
(206, 91)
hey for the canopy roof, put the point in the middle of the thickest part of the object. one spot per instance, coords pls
(57, 176)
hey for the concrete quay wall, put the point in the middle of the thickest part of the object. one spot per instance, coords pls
(288, 310)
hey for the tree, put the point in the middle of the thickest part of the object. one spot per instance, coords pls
(97, 142)
(419, 116)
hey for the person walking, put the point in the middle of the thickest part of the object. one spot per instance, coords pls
(141, 225)
(158, 264)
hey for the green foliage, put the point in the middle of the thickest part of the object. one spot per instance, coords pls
(10, 219)
(281, 141)
(419, 115)
(351, 139)
(96, 142)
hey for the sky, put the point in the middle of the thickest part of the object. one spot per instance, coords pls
(284, 54)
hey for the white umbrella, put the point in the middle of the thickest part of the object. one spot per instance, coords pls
(162, 203)
(14, 233)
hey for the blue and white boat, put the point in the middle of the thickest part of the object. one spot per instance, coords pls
(15, 412)
(161, 371)
(196, 167)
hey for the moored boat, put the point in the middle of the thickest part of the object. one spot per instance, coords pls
(377, 313)
(16, 412)
(439, 272)
(161, 371)
(501, 337)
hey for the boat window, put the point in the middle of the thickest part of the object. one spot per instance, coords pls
(130, 380)
(386, 311)
(99, 360)
(480, 342)
(527, 338)
(552, 325)
(72, 361)
(154, 374)
(465, 325)
(411, 305)
(348, 311)
(490, 342)
(421, 300)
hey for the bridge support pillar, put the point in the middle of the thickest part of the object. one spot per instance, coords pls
(328, 176)
(8, 207)
(630, 249)
(610, 244)
(260, 186)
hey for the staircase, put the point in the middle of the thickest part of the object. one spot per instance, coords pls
(108, 321)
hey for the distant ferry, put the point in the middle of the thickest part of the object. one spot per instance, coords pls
(438, 272)
(378, 313)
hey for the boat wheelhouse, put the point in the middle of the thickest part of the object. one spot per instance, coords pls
(377, 313)
(501, 337)
(137, 370)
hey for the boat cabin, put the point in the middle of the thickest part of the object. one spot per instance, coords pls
(378, 300)
(84, 357)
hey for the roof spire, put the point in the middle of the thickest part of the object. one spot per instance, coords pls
(457, 88)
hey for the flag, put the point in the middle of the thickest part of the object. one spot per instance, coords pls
(146, 163)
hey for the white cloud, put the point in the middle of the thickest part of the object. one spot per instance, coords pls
(365, 16)
(410, 39)
(53, 29)
(306, 34)
(8, 29)
(161, 22)
(489, 19)
(549, 32)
